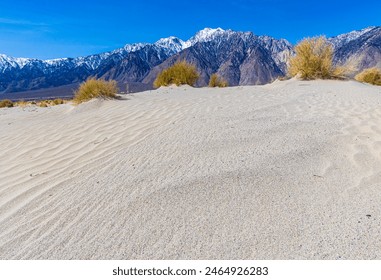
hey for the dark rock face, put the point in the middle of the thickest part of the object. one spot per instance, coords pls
(135, 66)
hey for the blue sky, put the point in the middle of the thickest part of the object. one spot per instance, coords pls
(51, 29)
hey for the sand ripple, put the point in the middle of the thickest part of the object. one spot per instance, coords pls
(290, 170)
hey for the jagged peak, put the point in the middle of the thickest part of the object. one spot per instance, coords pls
(171, 42)
(342, 39)
(14, 61)
(132, 47)
(168, 39)
(207, 34)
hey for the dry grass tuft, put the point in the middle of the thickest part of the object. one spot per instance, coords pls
(43, 103)
(58, 101)
(216, 81)
(313, 60)
(21, 103)
(96, 88)
(181, 73)
(40, 103)
(370, 76)
(6, 103)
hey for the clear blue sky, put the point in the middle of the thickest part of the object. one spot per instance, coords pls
(67, 28)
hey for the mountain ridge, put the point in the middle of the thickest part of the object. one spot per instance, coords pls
(240, 57)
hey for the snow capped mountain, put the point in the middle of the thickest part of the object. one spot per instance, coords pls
(92, 61)
(173, 44)
(359, 49)
(343, 39)
(7, 62)
(205, 35)
(240, 57)
(165, 47)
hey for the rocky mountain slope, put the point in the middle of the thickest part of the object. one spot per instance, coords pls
(361, 49)
(242, 58)
(19, 74)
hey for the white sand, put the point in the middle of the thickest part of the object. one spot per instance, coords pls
(284, 171)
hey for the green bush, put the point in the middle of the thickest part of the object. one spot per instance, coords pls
(6, 103)
(370, 76)
(216, 81)
(95, 88)
(181, 73)
(313, 60)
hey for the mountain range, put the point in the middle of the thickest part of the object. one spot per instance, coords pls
(242, 58)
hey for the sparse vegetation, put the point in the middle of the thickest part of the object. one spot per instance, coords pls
(370, 76)
(96, 88)
(216, 81)
(43, 103)
(21, 103)
(58, 101)
(313, 60)
(40, 103)
(181, 73)
(6, 103)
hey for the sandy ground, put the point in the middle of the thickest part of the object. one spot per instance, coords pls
(290, 170)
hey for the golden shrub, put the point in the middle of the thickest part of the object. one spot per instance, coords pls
(313, 60)
(43, 103)
(370, 76)
(216, 81)
(22, 103)
(58, 101)
(6, 103)
(96, 88)
(181, 73)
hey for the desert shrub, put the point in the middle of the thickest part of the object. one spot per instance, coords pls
(96, 88)
(216, 81)
(6, 103)
(181, 73)
(21, 103)
(313, 60)
(58, 101)
(370, 76)
(43, 103)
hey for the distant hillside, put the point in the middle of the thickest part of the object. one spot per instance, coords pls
(242, 58)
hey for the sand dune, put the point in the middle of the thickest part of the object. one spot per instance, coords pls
(290, 170)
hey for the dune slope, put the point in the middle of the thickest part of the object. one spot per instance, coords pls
(290, 170)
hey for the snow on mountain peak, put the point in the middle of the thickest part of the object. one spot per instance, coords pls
(133, 47)
(206, 35)
(172, 43)
(12, 62)
(343, 39)
(170, 46)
